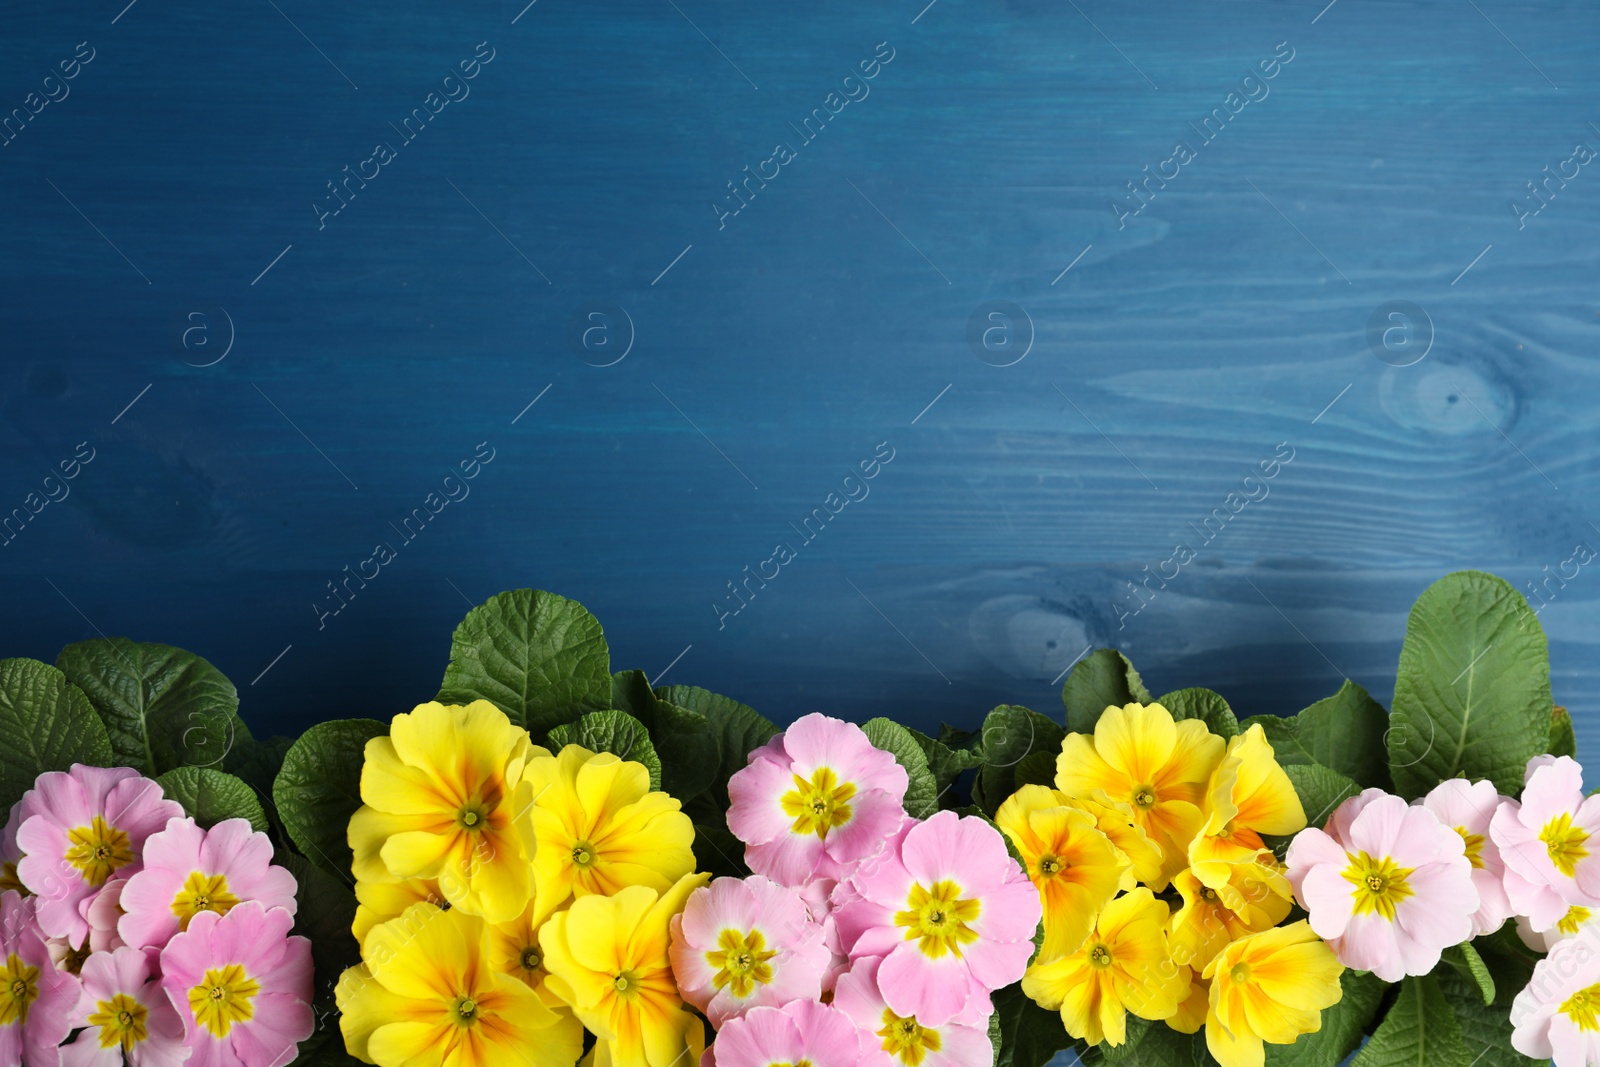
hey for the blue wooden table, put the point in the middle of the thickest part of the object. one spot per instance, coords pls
(1214, 332)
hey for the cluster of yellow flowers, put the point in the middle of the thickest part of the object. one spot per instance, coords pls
(1160, 898)
(511, 898)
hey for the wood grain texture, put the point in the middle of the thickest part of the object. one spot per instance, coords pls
(787, 341)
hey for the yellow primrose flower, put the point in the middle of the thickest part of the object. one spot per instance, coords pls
(1249, 795)
(1129, 838)
(1074, 866)
(1191, 1014)
(607, 957)
(1122, 966)
(1140, 759)
(437, 804)
(1258, 891)
(426, 994)
(595, 826)
(514, 950)
(1204, 926)
(1269, 987)
(379, 901)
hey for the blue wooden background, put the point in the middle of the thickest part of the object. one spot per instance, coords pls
(269, 386)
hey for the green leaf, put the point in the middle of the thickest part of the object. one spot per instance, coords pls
(1344, 732)
(163, 707)
(258, 762)
(738, 729)
(684, 740)
(46, 724)
(1029, 1035)
(1036, 768)
(1343, 1025)
(1157, 1045)
(1472, 695)
(946, 763)
(922, 794)
(1205, 705)
(1465, 958)
(1563, 741)
(1320, 790)
(1010, 733)
(1102, 679)
(1485, 1030)
(213, 796)
(1419, 1029)
(615, 732)
(718, 851)
(319, 788)
(539, 657)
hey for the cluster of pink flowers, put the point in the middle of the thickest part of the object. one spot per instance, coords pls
(130, 934)
(1389, 886)
(866, 936)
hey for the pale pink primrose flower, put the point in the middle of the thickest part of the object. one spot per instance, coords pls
(1545, 839)
(241, 985)
(892, 1040)
(951, 914)
(1577, 920)
(815, 801)
(1389, 894)
(77, 830)
(803, 1031)
(1468, 808)
(1557, 1016)
(746, 943)
(126, 1014)
(189, 871)
(38, 1000)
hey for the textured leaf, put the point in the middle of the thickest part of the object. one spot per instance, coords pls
(1205, 705)
(1420, 1029)
(1320, 790)
(539, 657)
(1343, 1025)
(1486, 1030)
(163, 707)
(1472, 695)
(1563, 741)
(1010, 733)
(212, 796)
(922, 794)
(1157, 1045)
(1465, 959)
(46, 724)
(319, 788)
(615, 732)
(1104, 678)
(739, 730)
(1029, 1035)
(946, 763)
(718, 851)
(258, 762)
(684, 740)
(1344, 732)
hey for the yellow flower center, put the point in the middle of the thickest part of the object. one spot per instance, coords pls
(202, 892)
(1144, 796)
(121, 1021)
(1564, 842)
(583, 854)
(938, 916)
(1583, 1007)
(1575, 917)
(1474, 845)
(530, 958)
(1100, 955)
(97, 850)
(1050, 866)
(1208, 894)
(741, 961)
(626, 983)
(819, 805)
(1240, 973)
(223, 998)
(471, 818)
(907, 1041)
(466, 1011)
(1379, 883)
(19, 988)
